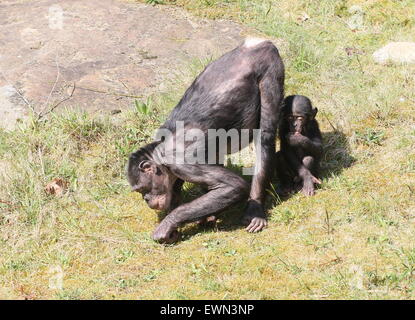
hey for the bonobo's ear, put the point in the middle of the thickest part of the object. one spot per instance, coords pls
(147, 166)
(313, 113)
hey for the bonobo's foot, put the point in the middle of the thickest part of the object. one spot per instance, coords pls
(254, 217)
(165, 234)
(308, 186)
(207, 221)
(308, 189)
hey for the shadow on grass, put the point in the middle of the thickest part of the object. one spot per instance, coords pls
(336, 157)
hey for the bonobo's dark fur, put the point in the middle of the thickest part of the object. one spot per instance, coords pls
(301, 146)
(241, 90)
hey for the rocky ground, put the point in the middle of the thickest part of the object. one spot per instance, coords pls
(112, 51)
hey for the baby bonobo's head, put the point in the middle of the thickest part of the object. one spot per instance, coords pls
(298, 112)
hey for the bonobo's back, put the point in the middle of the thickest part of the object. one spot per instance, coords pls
(226, 94)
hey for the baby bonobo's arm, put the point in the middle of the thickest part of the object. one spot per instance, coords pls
(303, 167)
(311, 145)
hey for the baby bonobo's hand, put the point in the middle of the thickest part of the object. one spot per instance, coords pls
(295, 139)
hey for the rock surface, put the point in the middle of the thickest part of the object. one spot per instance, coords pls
(112, 50)
(396, 52)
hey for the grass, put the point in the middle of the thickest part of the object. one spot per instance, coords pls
(352, 240)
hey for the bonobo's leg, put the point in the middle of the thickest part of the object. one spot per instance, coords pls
(225, 189)
(304, 169)
(284, 174)
(303, 172)
(312, 164)
(271, 94)
(309, 178)
(308, 162)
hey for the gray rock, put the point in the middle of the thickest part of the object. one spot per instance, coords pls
(113, 50)
(396, 52)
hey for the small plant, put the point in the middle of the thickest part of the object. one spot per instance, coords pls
(197, 270)
(230, 253)
(152, 275)
(211, 244)
(285, 216)
(126, 283)
(124, 255)
(274, 195)
(291, 267)
(142, 107)
(370, 137)
(154, 2)
(304, 60)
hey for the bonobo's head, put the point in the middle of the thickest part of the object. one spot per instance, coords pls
(152, 180)
(298, 112)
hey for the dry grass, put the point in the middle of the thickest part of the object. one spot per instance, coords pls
(353, 240)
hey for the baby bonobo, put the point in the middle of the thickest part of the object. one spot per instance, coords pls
(301, 146)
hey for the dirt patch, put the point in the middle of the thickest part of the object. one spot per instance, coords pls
(112, 50)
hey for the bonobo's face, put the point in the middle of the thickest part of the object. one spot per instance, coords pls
(298, 113)
(297, 122)
(152, 181)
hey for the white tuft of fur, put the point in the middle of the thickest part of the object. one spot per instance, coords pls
(252, 42)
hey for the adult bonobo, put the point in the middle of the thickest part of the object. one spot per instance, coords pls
(298, 160)
(243, 89)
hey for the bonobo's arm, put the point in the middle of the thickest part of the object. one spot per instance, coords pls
(225, 188)
(176, 195)
(271, 94)
(310, 146)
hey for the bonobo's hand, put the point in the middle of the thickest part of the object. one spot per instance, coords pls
(254, 217)
(166, 233)
(295, 139)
